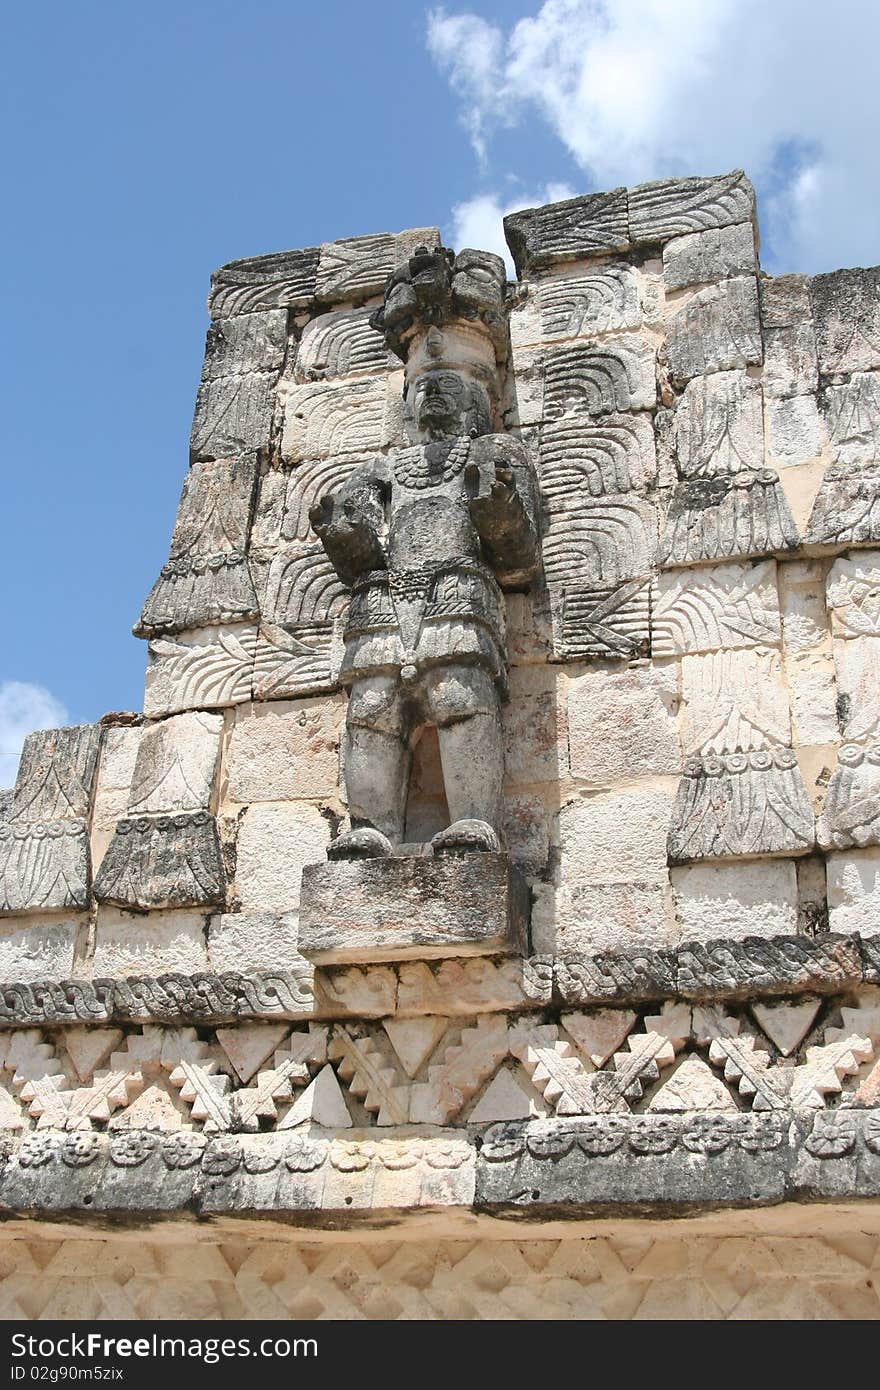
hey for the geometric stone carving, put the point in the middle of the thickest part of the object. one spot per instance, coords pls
(596, 457)
(717, 329)
(794, 433)
(293, 660)
(206, 578)
(568, 230)
(853, 590)
(786, 1025)
(340, 344)
(600, 1033)
(674, 207)
(701, 257)
(44, 865)
(857, 662)
(175, 765)
(235, 400)
(852, 412)
(356, 267)
(692, 1086)
(469, 1058)
(323, 419)
(718, 426)
(847, 506)
(283, 280)
(612, 621)
(734, 702)
(600, 300)
(725, 606)
(599, 378)
(850, 816)
(846, 305)
(56, 774)
(297, 585)
(211, 667)
(165, 861)
(790, 367)
(414, 1039)
(723, 518)
(741, 804)
(600, 541)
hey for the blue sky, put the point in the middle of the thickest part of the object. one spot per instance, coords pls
(143, 146)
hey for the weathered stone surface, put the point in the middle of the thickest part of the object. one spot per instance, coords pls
(790, 367)
(734, 702)
(613, 837)
(126, 943)
(285, 750)
(256, 941)
(340, 344)
(38, 947)
(578, 302)
(726, 517)
(735, 900)
(675, 207)
(477, 984)
(598, 543)
(741, 804)
(794, 431)
(723, 606)
(853, 590)
(624, 725)
(857, 661)
(283, 280)
(716, 330)
(598, 378)
(846, 306)
(600, 457)
(44, 865)
(854, 891)
(702, 257)
(850, 815)
(235, 401)
(274, 843)
(323, 419)
(176, 764)
(388, 909)
(56, 774)
(852, 413)
(580, 916)
(163, 861)
(206, 579)
(847, 506)
(358, 266)
(717, 426)
(119, 747)
(210, 668)
(568, 230)
(294, 660)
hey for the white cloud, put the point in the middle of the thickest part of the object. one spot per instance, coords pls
(477, 221)
(23, 708)
(642, 89)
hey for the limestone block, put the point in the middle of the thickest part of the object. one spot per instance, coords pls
(735, 900)
(857, 661)
(39, 948)
(854, 892)
(567, 230)
(297, 585)
(416, 907)
(596, 457)
(283, 280)
(790, 367)
(622, 724)
(274, 843)
(578, 302)
(359, 266)
(802, 600)
(794, 430)
(176, 763)
(240, 941)
(734, 701)
(163, 861)
(854, 594)
(719, 606)
(526, 825)
(852, 412)
(598, 378)
(323, 419)
(702, 257)
(161, 943)
(741, 804)
(717, 426)
(119, 747)
(813, 693)
(529, 629)
(44, 865)
(847, 506)
(851, 811)
(56, 774)
(588, 917)
(600, 542)
(727, 517)
(846, 306)
(285, 750)
(533, 741)
(675, 207)
(341, 344)
(614, 837)
(603, 621)
(716, 329)
(200, 670)
(235, 401)
(472, 984)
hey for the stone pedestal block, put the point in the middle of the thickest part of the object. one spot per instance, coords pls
(406, 907)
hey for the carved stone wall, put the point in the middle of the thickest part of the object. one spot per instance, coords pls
(692, 797)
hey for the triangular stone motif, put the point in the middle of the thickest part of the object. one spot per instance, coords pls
(600, 1033)
(503, 1099)
(786, 1025)
(154, 1108)
(414, 1039)
(89, 1048)
(693, 1086)
(11, 1116)
(250, 1044)
(321, 1102)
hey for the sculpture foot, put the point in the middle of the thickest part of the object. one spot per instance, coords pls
(467, 835)
(363, 843)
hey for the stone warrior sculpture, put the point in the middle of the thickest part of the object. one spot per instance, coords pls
(425, 537)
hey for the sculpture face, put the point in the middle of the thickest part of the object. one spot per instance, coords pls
(446, 404)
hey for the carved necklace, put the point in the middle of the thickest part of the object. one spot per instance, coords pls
(417, 467)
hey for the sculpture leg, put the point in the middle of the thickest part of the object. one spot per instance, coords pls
(463, 702)
(377, 762)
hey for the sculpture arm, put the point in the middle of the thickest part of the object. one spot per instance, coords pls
(502, 495)
(349, 522)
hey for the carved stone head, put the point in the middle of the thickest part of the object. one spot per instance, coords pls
(451, 384)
